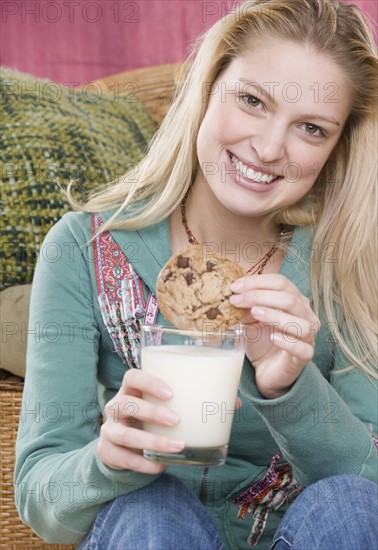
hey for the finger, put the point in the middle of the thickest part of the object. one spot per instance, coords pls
(121, 458)
(238, 404)
(125, 408)
(285, 323)
(301, 352)
(137, 382)
(138, 440)
(269, 281)
(293, 303)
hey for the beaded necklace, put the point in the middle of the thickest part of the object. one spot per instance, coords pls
(256, 268)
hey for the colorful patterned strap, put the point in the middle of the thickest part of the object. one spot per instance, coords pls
(276, 487)
(269, 493)
(120, 295)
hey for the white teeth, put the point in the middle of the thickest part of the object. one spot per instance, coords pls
(249, 173)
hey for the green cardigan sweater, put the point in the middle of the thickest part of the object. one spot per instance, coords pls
(323, 425)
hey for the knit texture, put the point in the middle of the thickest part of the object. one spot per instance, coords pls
(52, 134)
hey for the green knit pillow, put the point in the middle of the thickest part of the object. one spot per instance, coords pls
(52, 134)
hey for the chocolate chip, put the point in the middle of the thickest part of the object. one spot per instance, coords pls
(182, 261)
(212, 313)
(189, 278)
(209, 266)
(168, 276)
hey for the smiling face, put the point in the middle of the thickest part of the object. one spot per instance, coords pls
(274, 117)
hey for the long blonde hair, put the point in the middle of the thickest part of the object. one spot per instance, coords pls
(342, 203)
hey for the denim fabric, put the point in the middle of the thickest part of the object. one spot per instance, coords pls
(164, 515)
(336, 513)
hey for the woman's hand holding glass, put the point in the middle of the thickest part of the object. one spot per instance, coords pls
(122, 438)
(280, 330)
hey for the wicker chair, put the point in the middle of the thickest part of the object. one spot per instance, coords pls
(154, 87)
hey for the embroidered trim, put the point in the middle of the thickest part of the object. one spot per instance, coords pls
(152, 309)
(120, 296)
(113, 266)
(124, 334)
(276, 487)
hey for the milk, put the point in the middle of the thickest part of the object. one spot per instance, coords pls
(205, 381)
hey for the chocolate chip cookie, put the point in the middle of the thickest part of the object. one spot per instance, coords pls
(193, 288)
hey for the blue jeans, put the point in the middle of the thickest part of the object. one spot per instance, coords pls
(164, 515)
(337, 513)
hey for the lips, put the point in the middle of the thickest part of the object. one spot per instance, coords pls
(248, 173)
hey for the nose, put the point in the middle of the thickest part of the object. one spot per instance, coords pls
(269, 142)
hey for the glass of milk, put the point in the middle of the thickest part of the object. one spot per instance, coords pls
(203, 369)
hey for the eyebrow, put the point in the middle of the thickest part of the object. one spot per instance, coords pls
(308, 116)
(258, 87)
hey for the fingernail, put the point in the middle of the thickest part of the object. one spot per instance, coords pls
(236, 299)
(165, 392)
(177, 444)
(237, 286)
(171, 417)
(258, 311)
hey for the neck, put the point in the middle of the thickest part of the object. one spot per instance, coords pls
(241, 238)
(209, 220)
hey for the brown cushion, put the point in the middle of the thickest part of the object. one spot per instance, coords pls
(14, 307)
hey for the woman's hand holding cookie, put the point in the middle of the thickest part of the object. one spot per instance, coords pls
(280, 330)
(279, 324)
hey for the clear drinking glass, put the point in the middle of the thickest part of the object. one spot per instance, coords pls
(203, 369)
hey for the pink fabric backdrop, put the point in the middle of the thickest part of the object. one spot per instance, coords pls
(76, 41)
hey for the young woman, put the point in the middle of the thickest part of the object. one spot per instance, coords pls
(269, 154)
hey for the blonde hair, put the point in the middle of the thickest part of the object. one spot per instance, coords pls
(342, 203)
